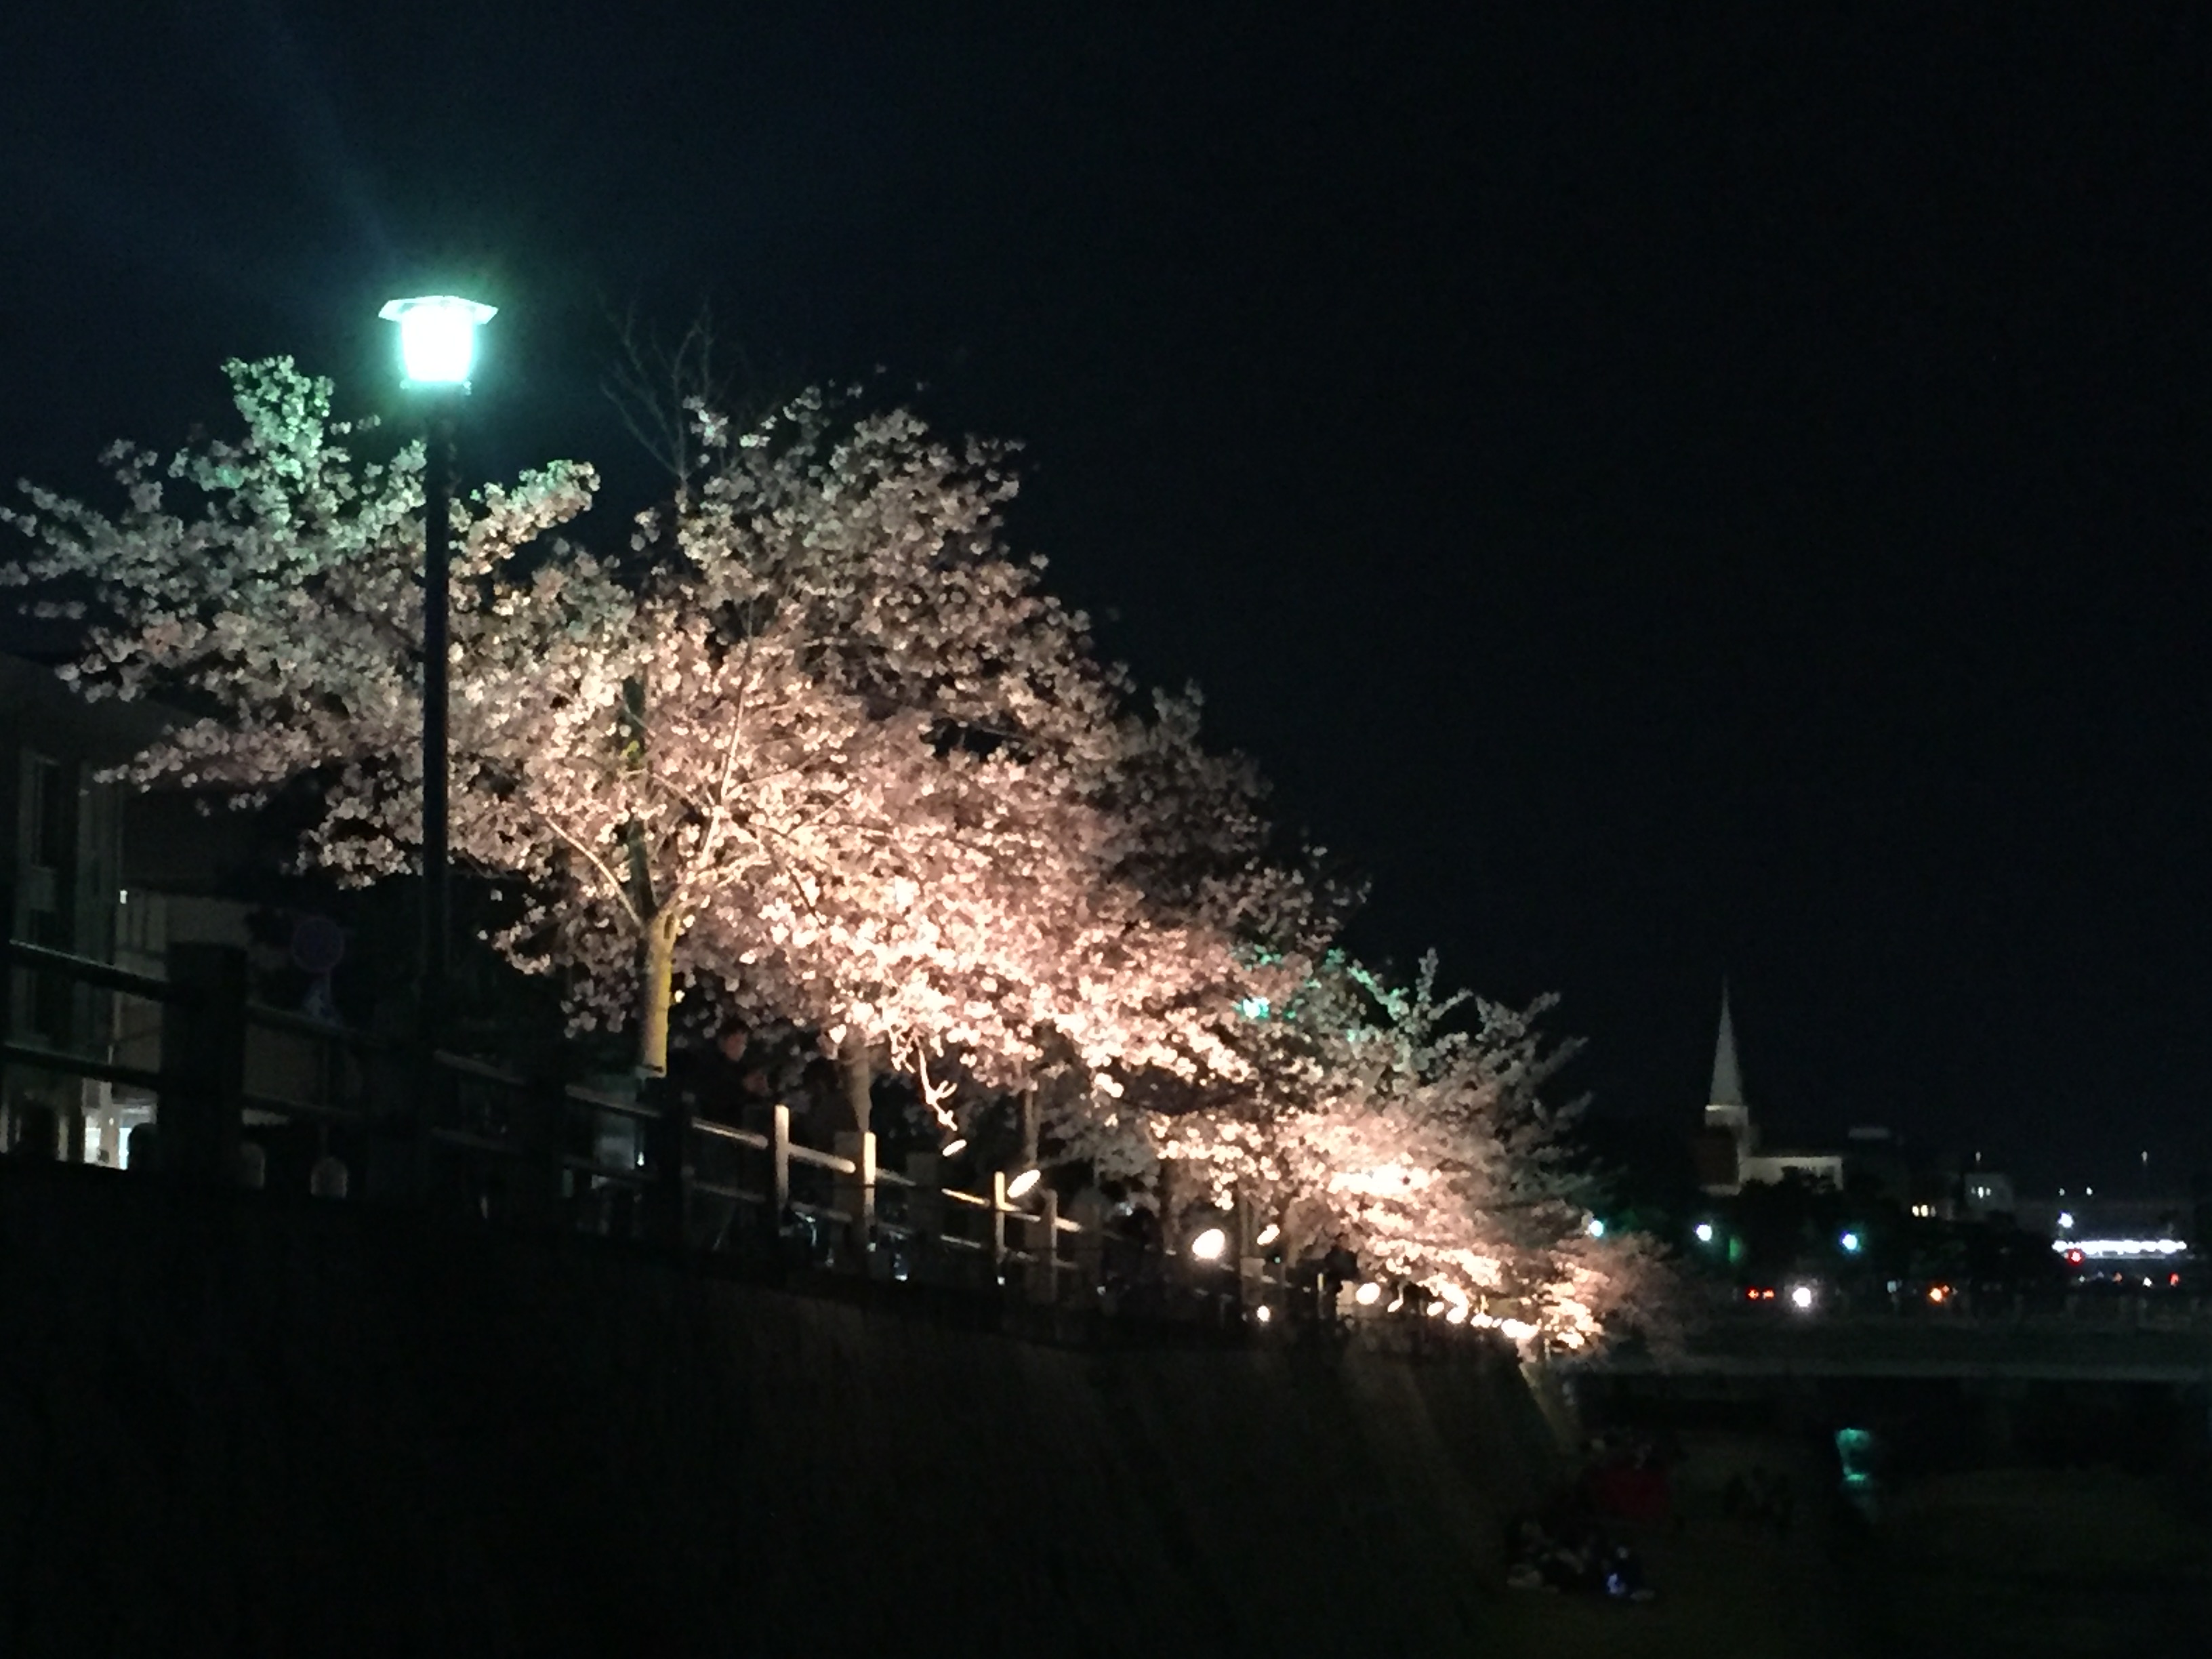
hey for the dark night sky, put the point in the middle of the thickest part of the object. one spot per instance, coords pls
(1663, 491)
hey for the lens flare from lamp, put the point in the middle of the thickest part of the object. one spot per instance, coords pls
(1368, 1294)
(438, 337)
(1209, 1244)
(1024, 1183)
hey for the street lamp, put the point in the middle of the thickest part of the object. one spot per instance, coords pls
(437, 349)
(438, 338)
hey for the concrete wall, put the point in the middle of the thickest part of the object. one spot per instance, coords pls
(256, 1427)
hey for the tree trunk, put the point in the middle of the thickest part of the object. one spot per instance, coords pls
(656, 992)
(857, 1067)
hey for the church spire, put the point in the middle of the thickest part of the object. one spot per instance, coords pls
(1728, 1081)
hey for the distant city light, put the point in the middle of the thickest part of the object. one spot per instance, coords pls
(2066, 1218)
(1594, 1227)
(2120, 1248)
(1850, 1241)
(1368, 1294)
(1263, 1313)
(1704, 1232)
(1939, 1294)
(1209, 1244)
(1801, 1297)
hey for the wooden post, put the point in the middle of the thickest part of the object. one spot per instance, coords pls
(779, 1167)
(1090, 1243)
(202, 1063)
(670, 1138)
(999, 1205)
(856, 1194)
(1044, 1267)
(925, 1203)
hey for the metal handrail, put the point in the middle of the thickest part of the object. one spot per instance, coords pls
(105, 975)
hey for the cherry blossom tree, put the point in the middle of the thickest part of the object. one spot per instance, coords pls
(815, 735)
(1429, 1146)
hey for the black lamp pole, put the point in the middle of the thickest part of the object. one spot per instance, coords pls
(438, 482)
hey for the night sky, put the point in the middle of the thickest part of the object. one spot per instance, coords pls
(1665, 492)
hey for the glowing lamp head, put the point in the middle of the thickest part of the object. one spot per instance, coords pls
(1704, 1230)
(1263, 1313)
(1024, 1183)
(1593, 1227)
(953, 1147)
(1801, 1297)
(1268, 1235)
(1850, 1241)
(1209, 1244)
(438, 338)
(1368, 1294)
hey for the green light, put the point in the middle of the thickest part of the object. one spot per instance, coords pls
(438, 337)
(1253, 1007)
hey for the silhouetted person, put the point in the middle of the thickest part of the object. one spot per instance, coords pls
(724, 1078)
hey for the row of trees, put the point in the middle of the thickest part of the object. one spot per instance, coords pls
(813, 741)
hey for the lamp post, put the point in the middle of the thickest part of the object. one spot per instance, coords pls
(437, 350)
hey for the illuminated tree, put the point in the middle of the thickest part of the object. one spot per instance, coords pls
(816, 735)
(1429, 1147)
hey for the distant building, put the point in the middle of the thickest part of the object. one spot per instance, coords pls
(1730, 1157)
(1986, 1193)
(92, 869)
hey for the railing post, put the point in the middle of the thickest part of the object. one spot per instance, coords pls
(1090, 1243)
(669, 1137)
(779, 1170)
(202, 1063)
(1044, 1252)
(999, 1205)
(549, 1139)
(925, 1203)
(856, 1194)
